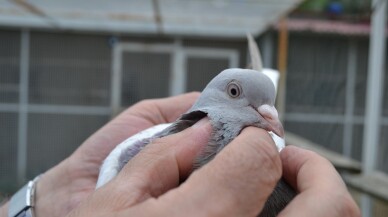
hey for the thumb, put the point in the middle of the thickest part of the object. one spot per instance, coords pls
(158, 168)
(241, 177)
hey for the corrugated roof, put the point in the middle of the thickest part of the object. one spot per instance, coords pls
(221, 18)
(328, 27)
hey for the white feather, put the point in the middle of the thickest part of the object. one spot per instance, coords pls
(279, 141)
(273, 75)
(109, 168)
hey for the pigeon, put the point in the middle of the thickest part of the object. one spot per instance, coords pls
(236, 98)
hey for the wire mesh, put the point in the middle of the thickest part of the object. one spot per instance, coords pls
(69, 69)
(8, 151)
(316, 85)
(201, 70)
(358, 130)
(9, 66)
(144, 76)
(53, 137)
(316, 78)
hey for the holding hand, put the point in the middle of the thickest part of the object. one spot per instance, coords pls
(232, 184)
(74, 179)
(236, 182)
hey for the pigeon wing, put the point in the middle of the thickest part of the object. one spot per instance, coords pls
(126, 150)
(112, 165)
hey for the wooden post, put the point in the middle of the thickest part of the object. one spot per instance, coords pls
(282, 66)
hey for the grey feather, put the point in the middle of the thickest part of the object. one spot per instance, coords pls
(187, 120)
(278, 200)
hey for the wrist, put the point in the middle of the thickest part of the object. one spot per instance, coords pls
(51, 187)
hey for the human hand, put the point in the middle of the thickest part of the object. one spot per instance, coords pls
(313, 176)
(236, 182)
(321, 189)
(61, 189)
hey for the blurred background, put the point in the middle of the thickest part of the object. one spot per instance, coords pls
(68, 67)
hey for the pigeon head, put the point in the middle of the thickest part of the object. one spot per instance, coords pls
(240, 98)
(241, 87)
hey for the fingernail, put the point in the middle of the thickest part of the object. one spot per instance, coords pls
(200, 124)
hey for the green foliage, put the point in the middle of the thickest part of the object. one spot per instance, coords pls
(314, 5)
(350, 6)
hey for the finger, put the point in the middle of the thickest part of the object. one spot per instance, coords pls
(142, 115)
(148, 113)
(158, 168)
(322, 191)
(237, 182)
(158, 111)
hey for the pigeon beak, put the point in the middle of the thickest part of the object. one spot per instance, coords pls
(270, 114)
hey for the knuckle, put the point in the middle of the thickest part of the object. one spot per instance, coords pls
(311, 156)
(264, 155)
(272, 161)
(269, 156)
(145, 102)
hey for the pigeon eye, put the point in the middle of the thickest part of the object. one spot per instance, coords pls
(234, 89)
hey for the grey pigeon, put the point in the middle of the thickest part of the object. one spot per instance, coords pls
(234, 99)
